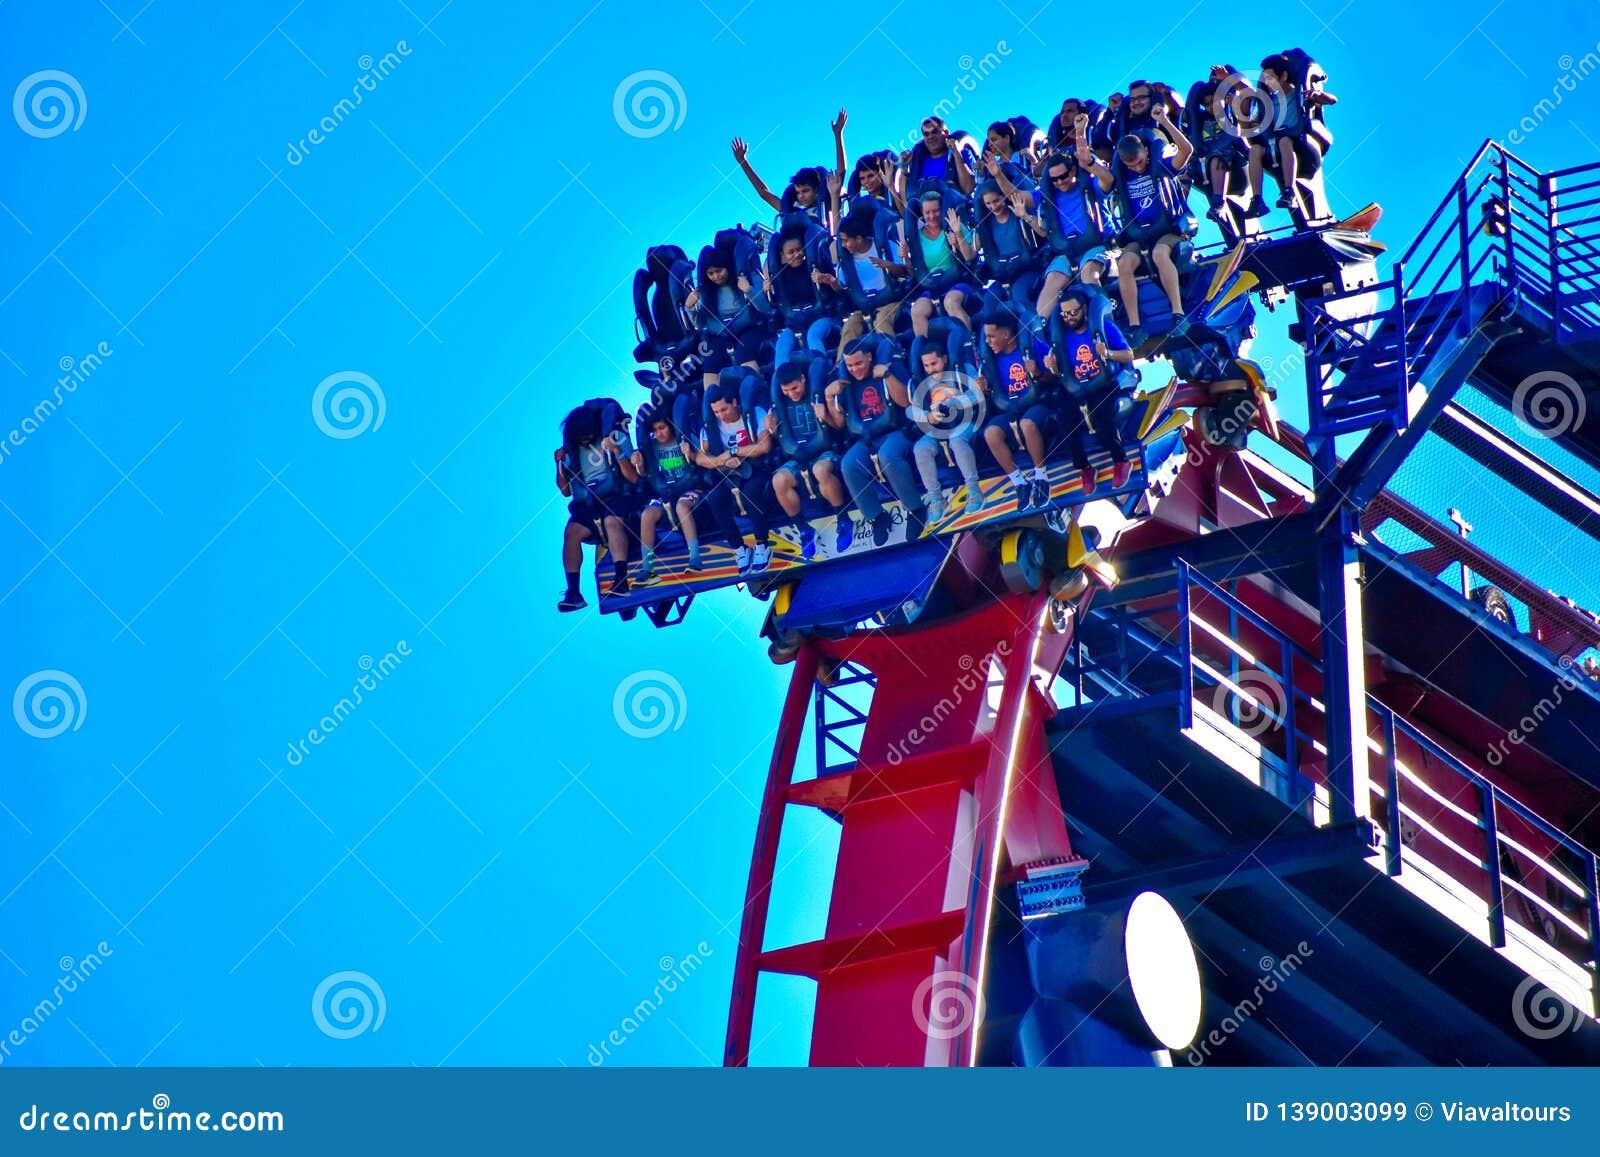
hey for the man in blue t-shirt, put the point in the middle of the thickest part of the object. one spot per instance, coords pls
(1016, 387)
(1147, 190)
(1087, 362)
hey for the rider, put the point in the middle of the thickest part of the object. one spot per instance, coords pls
(674, 482)
(1013, 380)
(1084, 358)
(1282, 135)
(806, 445)
(735, 445)
(594, 469)
(868, 398)
(1151, 201)
(935, 158)
(943, 407)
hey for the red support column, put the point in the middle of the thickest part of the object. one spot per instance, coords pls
(764, 860)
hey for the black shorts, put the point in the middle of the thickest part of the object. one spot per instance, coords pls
(1307, 154)
(592, 509)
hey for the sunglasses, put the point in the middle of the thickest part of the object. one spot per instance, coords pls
(1059, 176)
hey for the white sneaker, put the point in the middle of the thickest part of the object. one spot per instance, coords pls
(741, 556)
(763, 555)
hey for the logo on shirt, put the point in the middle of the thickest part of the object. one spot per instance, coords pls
(871, 403)
(1016, 380)
(1085, 365)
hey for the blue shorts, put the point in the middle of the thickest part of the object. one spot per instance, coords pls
(1039, 414)
(960, 287)
(1065, 266)
(794, 468)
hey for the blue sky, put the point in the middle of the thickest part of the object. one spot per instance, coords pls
(480, 838)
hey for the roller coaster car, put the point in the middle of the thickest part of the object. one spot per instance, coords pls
(1229, 394)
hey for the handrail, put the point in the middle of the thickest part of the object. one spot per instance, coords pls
(1494, 804)
(1500, 217)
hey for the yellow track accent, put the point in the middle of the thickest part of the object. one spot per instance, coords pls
(1247, 282)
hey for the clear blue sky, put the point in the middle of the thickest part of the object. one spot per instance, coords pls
(480, 837)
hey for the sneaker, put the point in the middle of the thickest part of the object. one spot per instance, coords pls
(880, 528)
(761, 557)
(844, 533)
(808, 543)
(974, 497)
(572, 603)
(1179, 327)
(647, 577)
(1087, 481)
(935, 504)
(1041, 493)
(621, 587)
(741, 556)
(916, 524)
(1287, 201)
(1120, 473)
(1216, 214)
(1136, 336)
(1256, 208)
(1024, 493)
(695, 565)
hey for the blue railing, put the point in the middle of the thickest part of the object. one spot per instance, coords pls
(1258, 681)
(1503, 225)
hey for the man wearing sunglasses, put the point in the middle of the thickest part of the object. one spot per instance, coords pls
(1087, 359)
(1068, 216)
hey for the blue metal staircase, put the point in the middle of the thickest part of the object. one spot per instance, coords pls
(1508, 251)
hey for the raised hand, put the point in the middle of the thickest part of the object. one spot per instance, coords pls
(835, 183)
(952, 218)
(740, 150)
(1114, 101)
(838, 122)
